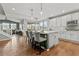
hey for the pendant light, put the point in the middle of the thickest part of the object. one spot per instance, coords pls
(41, 12)
(31, 14)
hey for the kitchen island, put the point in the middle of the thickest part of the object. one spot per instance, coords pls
(47, 38)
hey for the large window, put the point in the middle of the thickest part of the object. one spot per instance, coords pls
(13, 26)
(43, 25)
(5, 26)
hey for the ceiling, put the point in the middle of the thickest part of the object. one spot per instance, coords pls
(19, 11)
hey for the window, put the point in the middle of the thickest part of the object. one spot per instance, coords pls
(43, 25)
(5, 26)
(13, 26)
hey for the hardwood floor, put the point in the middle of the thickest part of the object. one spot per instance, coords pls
(18, 47)
(64, 48)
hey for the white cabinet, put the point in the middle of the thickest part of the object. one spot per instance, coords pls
(52, 39)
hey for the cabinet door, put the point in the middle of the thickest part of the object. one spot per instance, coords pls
(52, 40)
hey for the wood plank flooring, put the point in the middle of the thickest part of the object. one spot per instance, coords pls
(19, 47)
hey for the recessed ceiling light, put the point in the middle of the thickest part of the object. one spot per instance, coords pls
(63, 11)
(13, 8)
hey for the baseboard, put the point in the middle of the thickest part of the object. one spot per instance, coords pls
(72, 41)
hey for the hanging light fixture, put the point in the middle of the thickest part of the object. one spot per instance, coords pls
(31, 13)
(41, 12)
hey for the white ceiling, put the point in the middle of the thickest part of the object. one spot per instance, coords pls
(22, 10)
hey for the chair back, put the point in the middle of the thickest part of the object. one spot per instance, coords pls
(37, 35)
(27, 33)
(30, 35)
